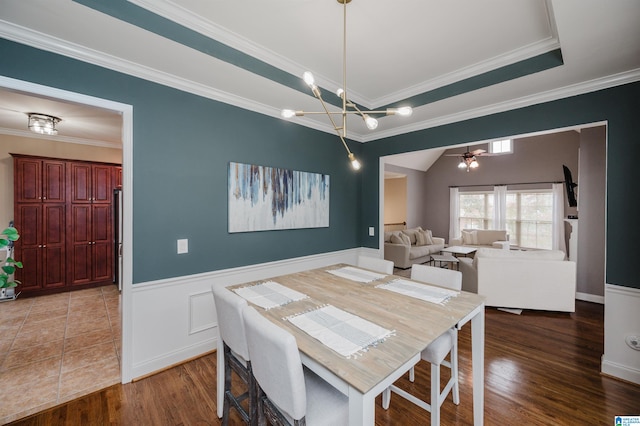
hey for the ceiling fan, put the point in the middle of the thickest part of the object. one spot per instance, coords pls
(468, 159)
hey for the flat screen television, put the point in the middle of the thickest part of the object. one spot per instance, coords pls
(570, 187)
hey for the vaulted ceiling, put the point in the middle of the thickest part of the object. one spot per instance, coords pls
(448, 60)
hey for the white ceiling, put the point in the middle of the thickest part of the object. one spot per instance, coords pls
(396, 50)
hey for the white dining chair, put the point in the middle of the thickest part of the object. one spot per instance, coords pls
(284, 386)
(437, 351)
(229, 308)
(375, 264)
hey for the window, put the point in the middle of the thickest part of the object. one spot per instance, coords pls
(501, 147)
(529, 215)
(476, 210)
(530, 218)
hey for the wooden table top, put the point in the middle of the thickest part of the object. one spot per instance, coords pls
(416, 323)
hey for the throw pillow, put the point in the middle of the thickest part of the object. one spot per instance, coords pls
(467, 237)
(421, 238)
(400, 238)
(428, 236)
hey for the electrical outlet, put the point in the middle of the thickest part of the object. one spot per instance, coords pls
(183, 246)
(633, 342)
(372, 231)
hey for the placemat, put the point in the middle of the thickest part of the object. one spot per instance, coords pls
(269, 294)
(345, 333)
(419, 291)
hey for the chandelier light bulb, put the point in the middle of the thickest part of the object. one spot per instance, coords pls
(355, 164)
(404, 111)
(287, 113)
(308, 78)
(371, 122)
(340, 93)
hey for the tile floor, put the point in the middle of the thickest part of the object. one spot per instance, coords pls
(56, 348)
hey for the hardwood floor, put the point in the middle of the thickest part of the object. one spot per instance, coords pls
(541, 369)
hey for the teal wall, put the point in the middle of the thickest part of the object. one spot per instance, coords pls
(182, 145)
(619, 106)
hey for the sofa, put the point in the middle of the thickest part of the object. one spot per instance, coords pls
(479, 238)
(536, 279)
(409, 246)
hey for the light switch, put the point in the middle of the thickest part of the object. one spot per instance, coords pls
(372, 231)
(183, 246)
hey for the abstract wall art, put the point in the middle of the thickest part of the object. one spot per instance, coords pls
(265, 198)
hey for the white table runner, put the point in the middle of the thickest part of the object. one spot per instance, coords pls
(419, 291)
(341, 331)
(269, 294)
(356, 274)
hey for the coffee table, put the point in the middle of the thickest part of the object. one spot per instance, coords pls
(440, 258)
(459, 250)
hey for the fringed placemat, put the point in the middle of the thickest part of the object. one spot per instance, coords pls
(269, 294)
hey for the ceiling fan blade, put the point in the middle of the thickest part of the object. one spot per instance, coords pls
(477, 152)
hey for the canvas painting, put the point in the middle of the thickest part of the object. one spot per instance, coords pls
(266, 198)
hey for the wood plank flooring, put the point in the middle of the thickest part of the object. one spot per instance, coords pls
(541, 368)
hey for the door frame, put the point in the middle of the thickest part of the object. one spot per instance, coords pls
(127, 189)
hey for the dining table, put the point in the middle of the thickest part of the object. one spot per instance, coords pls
(411, 320)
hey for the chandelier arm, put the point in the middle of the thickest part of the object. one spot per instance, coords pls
(335, 127)
(344, 72)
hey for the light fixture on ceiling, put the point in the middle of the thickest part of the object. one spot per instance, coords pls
(468, 162)
(348, 107)
(43, 124)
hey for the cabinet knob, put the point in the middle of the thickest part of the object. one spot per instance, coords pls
(44, 198)
(39, 245)
(44, 246)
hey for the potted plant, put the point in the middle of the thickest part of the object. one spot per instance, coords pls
(8, 266)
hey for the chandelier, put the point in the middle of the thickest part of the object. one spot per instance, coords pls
(43, 124)
(348, 107)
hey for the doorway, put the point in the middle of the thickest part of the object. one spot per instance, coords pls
(119, 314)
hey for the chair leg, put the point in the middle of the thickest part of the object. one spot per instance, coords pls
(227, 387)
(435, 395)
(386, 398)
(454, 371)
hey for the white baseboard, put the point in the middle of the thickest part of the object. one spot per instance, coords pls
(174, 320)
(624, 372)
(586, 297)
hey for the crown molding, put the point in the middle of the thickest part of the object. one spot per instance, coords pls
(39, 40)
(525, 101)
(59, 138)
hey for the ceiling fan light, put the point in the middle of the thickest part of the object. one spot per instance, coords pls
(474, 164)
(462, 165)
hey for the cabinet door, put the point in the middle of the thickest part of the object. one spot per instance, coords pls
(117, 177)
(28, 249)
(53, 246)
(53, 181)
(102, 251)
(28, 181)
(80, 181)
(80, 245)
(102, 187)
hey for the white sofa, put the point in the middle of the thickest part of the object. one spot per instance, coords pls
(495, 238)
(413, 249)
(536, 279)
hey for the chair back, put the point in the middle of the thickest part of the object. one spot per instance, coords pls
(229, 307)
(375, 264)
(438, 276)
(276, 364)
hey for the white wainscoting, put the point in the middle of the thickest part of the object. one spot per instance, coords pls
(173, 320)
(621, 318)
